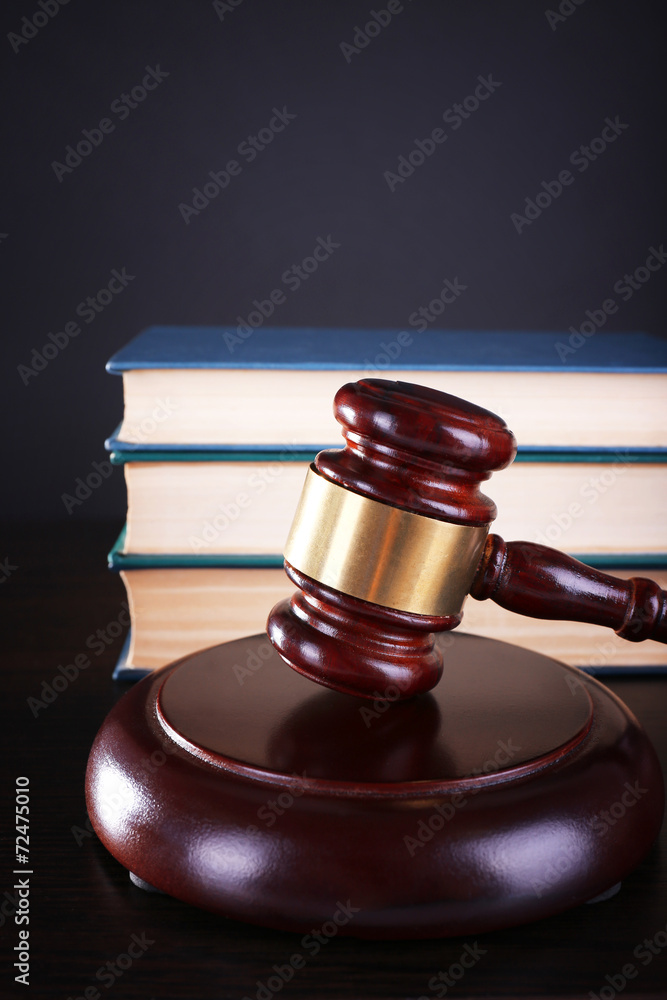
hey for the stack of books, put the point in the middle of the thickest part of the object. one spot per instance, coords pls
(217, 437)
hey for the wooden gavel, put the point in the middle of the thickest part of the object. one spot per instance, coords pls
(391, 534)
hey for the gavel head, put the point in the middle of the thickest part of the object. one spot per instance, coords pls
(387, 538)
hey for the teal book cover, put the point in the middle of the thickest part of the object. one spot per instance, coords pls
(120, 560)
(418, 350)
(172, 352)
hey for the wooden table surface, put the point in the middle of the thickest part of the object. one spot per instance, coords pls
(85, 913)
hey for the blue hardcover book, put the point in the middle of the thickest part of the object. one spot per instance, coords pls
(312, 348)
(208, 388)
(124, 671)
(226, 394)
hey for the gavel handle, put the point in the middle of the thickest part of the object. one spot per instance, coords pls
(540, 582)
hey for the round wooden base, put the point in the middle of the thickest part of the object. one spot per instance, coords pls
(515, 789)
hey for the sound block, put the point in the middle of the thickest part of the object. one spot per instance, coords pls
(516, 789)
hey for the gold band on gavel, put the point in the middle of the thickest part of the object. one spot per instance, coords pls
(379, 553)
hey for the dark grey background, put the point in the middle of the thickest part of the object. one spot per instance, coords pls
(322, 175)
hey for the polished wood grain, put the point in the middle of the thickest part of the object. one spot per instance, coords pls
(417, 448)
(273, 800)
(428, 452)
(541, 582)
(85, 909)
(353, 646)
